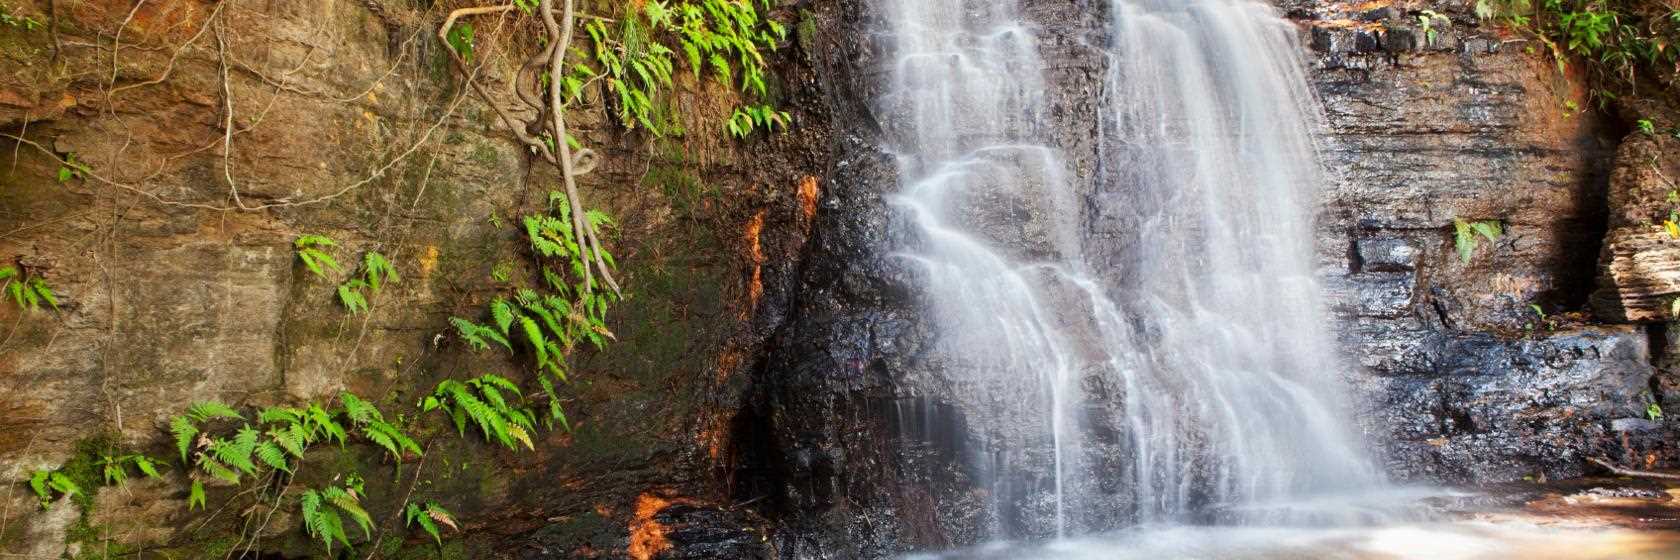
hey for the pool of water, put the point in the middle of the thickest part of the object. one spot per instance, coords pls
(1465, 540)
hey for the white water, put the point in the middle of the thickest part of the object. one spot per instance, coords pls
(1195, 332)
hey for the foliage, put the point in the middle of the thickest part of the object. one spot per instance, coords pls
(376, 272)
(1426, 22)
(549, 325)
(637, 55)
(1465, 235)
(324, 511)
(461, 39)
(749, 118)
(71, 169)
(485, 402)
(429, 515)
(1654, 411)
(115, 468)
(367, 418)
(10, 19)
(27, 292)
(49, 485)
(1617, 39)
(312, 250)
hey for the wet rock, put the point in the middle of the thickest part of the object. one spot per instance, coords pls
(1387, 254)
(1481, 408)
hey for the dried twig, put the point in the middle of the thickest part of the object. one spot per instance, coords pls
(1619, 471)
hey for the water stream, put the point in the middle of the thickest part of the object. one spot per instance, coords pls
(1193, 336)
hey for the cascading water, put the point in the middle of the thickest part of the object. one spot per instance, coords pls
(1201, 328)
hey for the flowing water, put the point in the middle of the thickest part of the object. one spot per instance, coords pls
(1200, 345)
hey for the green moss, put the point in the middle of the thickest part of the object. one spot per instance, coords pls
(806, 32)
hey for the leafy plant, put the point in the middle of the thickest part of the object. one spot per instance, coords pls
(429, 515)
(13, 20)
(115, 468)
(484, 402)
(461, 39)
(311, 249)
(1616, 39)
(1426, 22)
(367, 418)
(71, 169)
(1654, 411)
(749, 118)
(28, 293)
(324, 511)
(1465, 235)
(376, 271)
(637, 56)
(1646, 127)
(49, 485)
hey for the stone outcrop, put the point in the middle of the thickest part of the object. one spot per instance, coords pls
(351, 125)
(1640, 277)
(1486, 369)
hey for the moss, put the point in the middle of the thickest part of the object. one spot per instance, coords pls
(455, 549)
(807, 32)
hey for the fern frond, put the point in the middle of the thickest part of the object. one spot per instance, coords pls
(195, 496)
(273, 456)
(205, 410)
(146, 466)
(534, 336)
(217, 470)
(502, 312)
(291, 439)
(185, 432)
(358, 410)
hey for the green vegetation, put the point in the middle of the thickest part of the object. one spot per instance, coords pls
(312, 250)
(429, 515)
(27, 292)
(49, 485)
(1465, 235)
(1618, 40)
(376, 272)
(636, 56)
(10, 18)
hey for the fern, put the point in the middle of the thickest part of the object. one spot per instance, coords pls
(27, 293)
(50, 485)
(1465, 235)
(350, 294)
(311, 249)
(429, 516)
(481, 402)
(374, 428)
(377, 271)
(195, 496)
(185, 433)
(207, 410)
(114, 469)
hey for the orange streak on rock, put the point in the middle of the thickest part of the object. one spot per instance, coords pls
(647, 535)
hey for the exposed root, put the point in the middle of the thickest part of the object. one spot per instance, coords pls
(1619, 471)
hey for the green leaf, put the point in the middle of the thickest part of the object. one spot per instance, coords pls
(205, 410)
(195, 497)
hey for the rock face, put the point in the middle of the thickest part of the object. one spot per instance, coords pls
(769, 394)
(1472, 377)
(346, 121)
(1641, 259)
(1458, 378)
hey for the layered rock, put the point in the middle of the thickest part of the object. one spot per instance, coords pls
(1640, 277)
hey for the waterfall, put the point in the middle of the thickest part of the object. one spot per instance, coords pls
(1153, 340)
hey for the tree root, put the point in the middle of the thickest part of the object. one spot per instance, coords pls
(571, 165)
(1619, 471)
